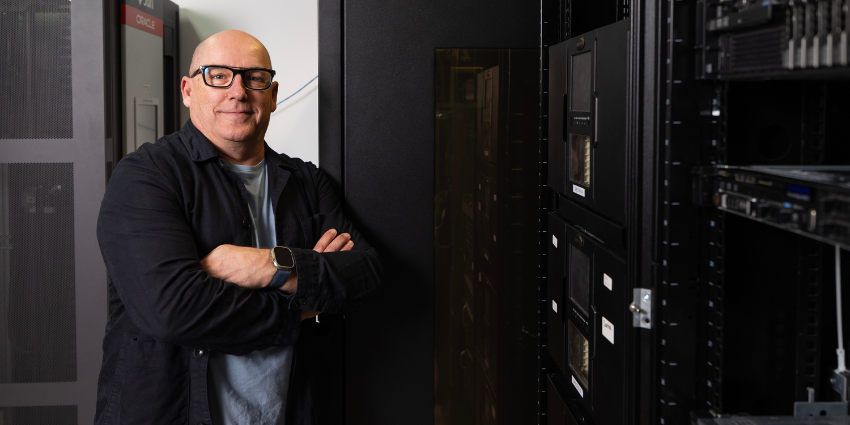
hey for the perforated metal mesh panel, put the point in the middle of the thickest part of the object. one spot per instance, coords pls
(37, 285)
(38, 415)
(759, 50)
(35, 64)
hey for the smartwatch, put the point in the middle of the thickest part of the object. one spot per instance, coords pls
(284, 263)
(282, 258)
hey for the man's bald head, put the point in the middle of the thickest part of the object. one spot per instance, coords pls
(233, 117)
(222, 40)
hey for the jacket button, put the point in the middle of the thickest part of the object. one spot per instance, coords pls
(199, 352)
(302, 301)
(246, 222)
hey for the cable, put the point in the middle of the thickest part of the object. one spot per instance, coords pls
(841, 365)
(296, 92)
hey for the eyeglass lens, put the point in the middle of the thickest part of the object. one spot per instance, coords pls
(252, 78)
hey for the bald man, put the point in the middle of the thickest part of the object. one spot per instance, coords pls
(218, 250)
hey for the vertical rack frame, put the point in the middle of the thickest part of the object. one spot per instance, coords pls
(554, 28)
(677, 236)
(711, 265)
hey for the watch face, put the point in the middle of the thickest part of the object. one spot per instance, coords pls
(283, 256)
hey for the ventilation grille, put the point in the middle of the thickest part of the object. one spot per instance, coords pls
(37, 303)
(35, 69)
(38, 415)
(759, 50)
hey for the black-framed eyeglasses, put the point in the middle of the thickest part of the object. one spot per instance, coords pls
(221, 77)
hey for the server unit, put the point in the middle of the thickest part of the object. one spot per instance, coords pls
(588, 289)
(775, 38)
(149, 74)
(587, 319)
(587, 113)
(813, 201)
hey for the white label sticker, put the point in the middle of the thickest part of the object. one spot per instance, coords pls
(608, 282)
(607, 329)
(555, 241)
(578, 387)
(554, 306)
(578, 190)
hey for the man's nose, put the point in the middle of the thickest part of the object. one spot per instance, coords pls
(237, 88)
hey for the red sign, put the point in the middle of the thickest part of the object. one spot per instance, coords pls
(135, 18)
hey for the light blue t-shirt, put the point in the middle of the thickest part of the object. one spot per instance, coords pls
(252, 389)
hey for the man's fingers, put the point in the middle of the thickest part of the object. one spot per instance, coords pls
(330, 242)
(338, 243)
(325, 240)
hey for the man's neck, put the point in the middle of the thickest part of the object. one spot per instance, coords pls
(241, 153)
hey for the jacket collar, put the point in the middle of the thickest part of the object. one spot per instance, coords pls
(201, 149)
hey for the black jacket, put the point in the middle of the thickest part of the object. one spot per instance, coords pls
(167, 206)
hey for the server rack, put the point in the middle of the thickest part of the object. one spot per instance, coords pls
(52, 175)
(777, 108)
(726, 178)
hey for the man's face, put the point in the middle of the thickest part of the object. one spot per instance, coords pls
(233, 114)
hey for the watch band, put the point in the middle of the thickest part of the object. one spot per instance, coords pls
(279, 278)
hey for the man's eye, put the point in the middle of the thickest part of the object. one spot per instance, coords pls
(257, 77)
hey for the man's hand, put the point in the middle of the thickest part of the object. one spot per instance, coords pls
(329, 242)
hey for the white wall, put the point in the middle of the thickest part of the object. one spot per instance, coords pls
(289, 30)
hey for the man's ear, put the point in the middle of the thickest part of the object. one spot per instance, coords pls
(186, 90)
(274, 95)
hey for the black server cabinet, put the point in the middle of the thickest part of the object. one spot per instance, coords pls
(379, 144)
(588, 288)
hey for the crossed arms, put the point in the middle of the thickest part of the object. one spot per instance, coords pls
(252, 268)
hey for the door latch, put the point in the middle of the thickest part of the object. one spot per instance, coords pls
(641, 308)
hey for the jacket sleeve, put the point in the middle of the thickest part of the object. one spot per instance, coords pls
(334, 282)
(151, 257)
